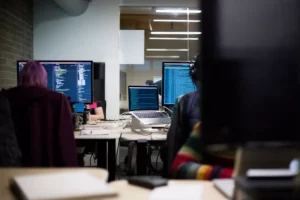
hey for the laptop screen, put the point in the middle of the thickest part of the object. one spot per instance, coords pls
(143, 98)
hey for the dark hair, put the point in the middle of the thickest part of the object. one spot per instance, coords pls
(195, 69)
(33, 74)
(149, 82)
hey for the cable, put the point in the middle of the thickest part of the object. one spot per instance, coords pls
(118, 147)
(157, 161)
(168, 109)
(166, 128)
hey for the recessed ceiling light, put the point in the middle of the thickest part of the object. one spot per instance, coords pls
(178, 11)
(171, 38)
(174, 33)
(167, 49)
(177, 20)
(162, 56)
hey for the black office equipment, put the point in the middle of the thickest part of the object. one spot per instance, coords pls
(274, 189)
(72, 78)
(99, 81)
(250, 57)
(147, 182)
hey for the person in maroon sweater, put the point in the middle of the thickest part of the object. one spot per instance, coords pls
(42, 119)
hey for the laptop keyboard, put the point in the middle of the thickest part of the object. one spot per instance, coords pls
(150, 114)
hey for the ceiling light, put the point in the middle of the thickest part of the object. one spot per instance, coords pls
(163, 57)
(167, 49)
(178, 11)
(174, 33)
(177, 20)
(171, 38)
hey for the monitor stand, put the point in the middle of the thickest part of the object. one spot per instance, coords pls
(265, 156)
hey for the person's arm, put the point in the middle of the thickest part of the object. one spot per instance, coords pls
(98, 114)
(187, 162)
(66, 139)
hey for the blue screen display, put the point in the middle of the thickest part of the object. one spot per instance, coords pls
(143, 98)
(70, 78)
(177, 81)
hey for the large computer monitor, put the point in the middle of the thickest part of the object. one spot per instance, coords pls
(176, 81)
(72, 78)
(250, 58)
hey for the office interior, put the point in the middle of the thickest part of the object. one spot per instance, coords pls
(119, 37)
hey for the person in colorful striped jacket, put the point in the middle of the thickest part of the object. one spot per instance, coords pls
(190, 163)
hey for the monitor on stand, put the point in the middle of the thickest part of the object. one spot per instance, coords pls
(72, 78)
(176, 81)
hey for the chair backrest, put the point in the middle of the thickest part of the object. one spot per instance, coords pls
(10, 154)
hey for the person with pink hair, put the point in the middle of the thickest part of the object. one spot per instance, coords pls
(42, 120)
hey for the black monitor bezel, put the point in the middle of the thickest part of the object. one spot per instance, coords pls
(92, 74)
(139, 86)
(163, 80)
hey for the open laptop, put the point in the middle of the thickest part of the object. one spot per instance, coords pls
(143, 104)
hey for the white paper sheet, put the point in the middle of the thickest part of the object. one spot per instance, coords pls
(178, 192)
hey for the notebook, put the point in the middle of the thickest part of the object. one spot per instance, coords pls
(66, 185)
(178, 192)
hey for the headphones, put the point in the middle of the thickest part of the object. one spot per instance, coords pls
(193, 68)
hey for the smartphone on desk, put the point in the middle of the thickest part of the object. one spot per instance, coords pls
(147, 181)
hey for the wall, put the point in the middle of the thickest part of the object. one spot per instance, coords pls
(16, 38)
(179, 3)
(93, 35)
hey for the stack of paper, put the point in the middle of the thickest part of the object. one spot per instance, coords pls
(68, 185)
(94, 132)
(178, 192)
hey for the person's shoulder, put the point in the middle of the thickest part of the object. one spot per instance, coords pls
(191, 94)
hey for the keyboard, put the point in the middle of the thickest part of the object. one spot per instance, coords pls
(150, 114)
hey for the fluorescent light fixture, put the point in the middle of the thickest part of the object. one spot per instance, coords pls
(178, 11)
(170, 57)
(174, 33)
(177, 20)
(171, 38)
(167, 49)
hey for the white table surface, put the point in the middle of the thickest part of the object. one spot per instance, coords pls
(116, 129)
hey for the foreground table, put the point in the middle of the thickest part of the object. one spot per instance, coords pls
(7, 173)
(127, 191)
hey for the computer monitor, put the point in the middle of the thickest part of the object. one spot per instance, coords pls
(143, 98)
(250, 82)
(176, 81)
(72, 78)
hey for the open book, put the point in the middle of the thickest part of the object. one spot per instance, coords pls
(63, 185)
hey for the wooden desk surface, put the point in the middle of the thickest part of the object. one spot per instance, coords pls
(7, 173)
(131, 192)
(127, 134)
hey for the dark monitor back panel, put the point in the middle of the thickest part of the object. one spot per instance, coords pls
(99, 81)
(250, 58)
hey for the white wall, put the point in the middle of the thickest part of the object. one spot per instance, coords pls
(179, 3)
(93, 35)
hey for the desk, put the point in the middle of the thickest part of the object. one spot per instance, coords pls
(131, 192)
(106, 148)
(156, 135)
(7, 173)
(106, 145)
